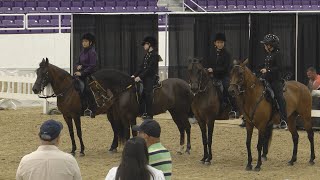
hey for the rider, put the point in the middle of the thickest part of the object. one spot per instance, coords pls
(220, 68)
(85, 67)
(271, 71)
(147, 73)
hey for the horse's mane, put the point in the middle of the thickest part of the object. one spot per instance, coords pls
(114, 80)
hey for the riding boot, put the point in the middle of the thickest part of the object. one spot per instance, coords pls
(92, 104)
(278, 92)
(148, 91)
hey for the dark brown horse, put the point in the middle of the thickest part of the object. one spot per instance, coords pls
(122, 108)
(258, 111)
(174, 95)
(206, 105)
(68, 99)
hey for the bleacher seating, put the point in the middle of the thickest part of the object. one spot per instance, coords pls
(110, 6)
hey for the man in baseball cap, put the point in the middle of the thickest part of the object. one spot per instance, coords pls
(47, 160)
(159, 156)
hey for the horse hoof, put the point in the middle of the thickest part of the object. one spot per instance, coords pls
(290, 163)
(208, 163)
(179, 153)
(112, 151)
(82, 154)
(257, 169)
(264, 158)
(72, 153)
(188, 151)
(311, 163)
(202, 161)
(249, 168)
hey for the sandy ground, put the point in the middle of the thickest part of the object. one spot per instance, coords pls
(19, 130)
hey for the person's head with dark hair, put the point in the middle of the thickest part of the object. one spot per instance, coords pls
(311, 73)
(134, 161)
(88, 40)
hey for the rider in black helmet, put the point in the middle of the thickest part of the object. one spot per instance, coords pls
(271, 69)
(84, 68)
(147, 73)
(220, 68)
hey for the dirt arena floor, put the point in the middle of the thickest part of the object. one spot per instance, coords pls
(19, 128)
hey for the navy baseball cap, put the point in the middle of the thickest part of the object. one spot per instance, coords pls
(50, 130)
(150, 127)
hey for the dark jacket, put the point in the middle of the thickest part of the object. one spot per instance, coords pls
(88, 60)
(273, 64)
(149, 67)
(221, 65)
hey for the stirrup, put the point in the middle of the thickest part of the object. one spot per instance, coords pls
(145, 116)
(87, 112)
(283, 124)
(232, 114)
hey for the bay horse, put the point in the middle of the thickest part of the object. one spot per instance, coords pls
(68, 98)
(122, 109)
(206, 105)
(173, 95)
(259, 112)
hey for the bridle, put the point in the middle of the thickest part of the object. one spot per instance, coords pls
(239, 86)
(44, 82)
(199, 90)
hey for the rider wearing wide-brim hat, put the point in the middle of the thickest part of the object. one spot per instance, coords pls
(271, 70)
(86, 66)
(147, 72)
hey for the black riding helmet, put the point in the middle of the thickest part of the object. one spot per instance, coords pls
(151, 40)
(90, 37)
(220, 37)
(272, 40)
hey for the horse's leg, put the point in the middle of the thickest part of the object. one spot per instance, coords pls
(177, 119)
(133, 122)
(268, 137)
(77, 121)
(295, 137)
(115, 140)
(210, 136)
(259, 148)
(249, 128)
(184, 117)
(188, 132)
(70, 127)
(308, 127)
(203, 128)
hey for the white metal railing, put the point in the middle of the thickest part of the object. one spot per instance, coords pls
(20, 88)
(24, 20)
(26, 24)
(47, 14)
(186, 5)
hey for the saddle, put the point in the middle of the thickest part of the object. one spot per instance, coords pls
(103, 97)
(269, 93)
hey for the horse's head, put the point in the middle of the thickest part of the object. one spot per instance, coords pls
(237, 78)
(42, 77)
(197, 75)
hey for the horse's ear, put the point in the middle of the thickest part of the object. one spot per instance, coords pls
(236, 62)
(47, 61)
(245, 62)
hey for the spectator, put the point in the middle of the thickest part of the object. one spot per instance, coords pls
(159, 156)
(134, 163)
(48, 162)
(314, 79)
